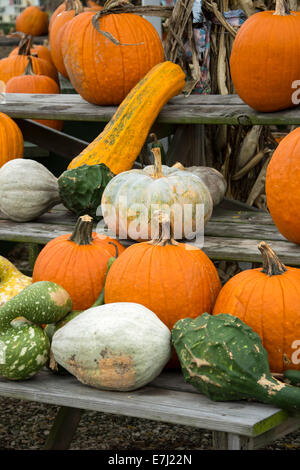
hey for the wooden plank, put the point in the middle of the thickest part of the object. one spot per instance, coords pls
(54, 141)
(197, 109)
(191, 409)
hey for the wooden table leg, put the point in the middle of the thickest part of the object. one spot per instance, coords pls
(229, 441)
(63, 429)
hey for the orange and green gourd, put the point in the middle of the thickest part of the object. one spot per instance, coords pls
(12, 281)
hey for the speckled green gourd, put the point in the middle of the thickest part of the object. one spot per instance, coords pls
(224, 359)
(24, 346)
(81, 189)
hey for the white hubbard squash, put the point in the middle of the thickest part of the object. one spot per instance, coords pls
(131, 198)
(27, 190)
(118, 346)
(213, 179)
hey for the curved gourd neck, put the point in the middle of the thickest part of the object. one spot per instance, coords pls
(6, 269)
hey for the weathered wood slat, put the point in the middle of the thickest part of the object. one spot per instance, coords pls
(150, 402)
(195, 109)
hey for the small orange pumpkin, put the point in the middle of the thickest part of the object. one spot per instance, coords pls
(29, 82)
(33, 20)
(268, 300)
(11, 140)
(39, 50)
(77, 262)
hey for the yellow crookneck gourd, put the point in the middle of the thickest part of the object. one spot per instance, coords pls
(12, 281)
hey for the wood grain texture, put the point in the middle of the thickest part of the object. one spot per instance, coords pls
(151, 402)
(194, 109)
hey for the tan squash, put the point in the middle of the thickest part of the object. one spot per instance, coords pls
(123, 137)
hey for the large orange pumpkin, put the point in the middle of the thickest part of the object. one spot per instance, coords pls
(282, 186)
(77, 262)
(174, 280)
(56, 12)
(265, 59)
(72, 8)
(268, 300)
(101, 71)
(11, 140)
(33, 20)
(29, 82)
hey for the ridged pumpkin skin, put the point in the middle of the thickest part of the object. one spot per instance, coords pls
(12, 281)
(122, 139)
(103, 73)
(260, 64)
(121, 346)
(173, 281)
(16, 64)
(270, 305)
(56, 12)
(78, 265)
(27, 346)
(154, 189)
(38, 49)
(40, 84)
(11, 140)
(282, 186)
(33, 21)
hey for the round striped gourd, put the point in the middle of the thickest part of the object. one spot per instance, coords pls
(108, 80)
(33, 20)
(12, 281)
(130, 199)
(11, 140)
(24, 346)
(29, 82)
(78, 262)
(268, 300)
(261, 68)
(120, 346)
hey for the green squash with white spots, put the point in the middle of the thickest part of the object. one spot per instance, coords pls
(24, 345)
(131, 198)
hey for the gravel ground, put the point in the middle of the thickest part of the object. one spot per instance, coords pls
(26, 425)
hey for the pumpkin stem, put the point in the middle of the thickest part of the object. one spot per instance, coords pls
(29, 67)
(281, 8)
(272, 266)
(75, 5)
(157, 163)
(178, 165)
(165, 234)
(82, 233)
(25, 45)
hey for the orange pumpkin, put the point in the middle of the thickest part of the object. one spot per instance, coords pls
(77, 262)
(282, 186)
(265, 59)
(11, 140)
(16, 64)
(174, 280)
(33, 20)
(268, 300)
(72, 8)
(56, 12)
(101, 71)
(29, 82)
(40, 50)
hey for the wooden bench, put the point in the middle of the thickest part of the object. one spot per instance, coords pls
(232, 234)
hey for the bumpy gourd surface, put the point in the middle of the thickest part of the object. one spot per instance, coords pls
(12, 281)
